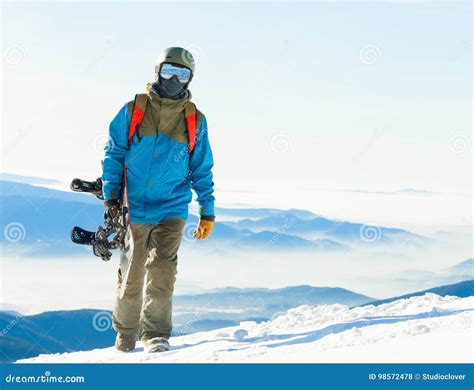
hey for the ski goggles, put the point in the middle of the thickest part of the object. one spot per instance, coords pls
(169, 70)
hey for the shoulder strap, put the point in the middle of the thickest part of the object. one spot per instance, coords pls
(190, 114)
(138, 112)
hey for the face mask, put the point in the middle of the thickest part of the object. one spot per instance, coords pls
(171, 88)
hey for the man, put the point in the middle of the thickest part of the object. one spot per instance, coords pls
(160, 159)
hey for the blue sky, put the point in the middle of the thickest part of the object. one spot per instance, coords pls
(355, 95)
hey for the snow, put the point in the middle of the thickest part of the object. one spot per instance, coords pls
(426, 329)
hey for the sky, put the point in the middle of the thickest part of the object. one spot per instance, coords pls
(330, 106)
(348, 95)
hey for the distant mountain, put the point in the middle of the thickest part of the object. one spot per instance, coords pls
(33, 192)
(278, 241)
(72, 330)
(50, 332)
(27, 179)
(239, 304)
(258, 213)
(222, 232)
(465, 268)
(81, 330)
(418, 278)
(271, 241)
(37, 221)
(40, 220)
(205, 325)
(415, 191)
(439, 332)
(323, 228)
(462, 289)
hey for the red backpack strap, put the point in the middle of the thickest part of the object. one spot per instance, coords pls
(190, 114)
(138, 112)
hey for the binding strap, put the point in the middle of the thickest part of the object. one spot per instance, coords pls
(139, 107)
(190, 114)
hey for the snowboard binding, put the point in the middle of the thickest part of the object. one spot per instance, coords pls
(111, 236)
(90, 187)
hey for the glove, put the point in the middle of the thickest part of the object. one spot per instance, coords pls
(203, 230)
(112, 208)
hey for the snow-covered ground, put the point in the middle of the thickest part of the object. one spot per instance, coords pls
(425, 329)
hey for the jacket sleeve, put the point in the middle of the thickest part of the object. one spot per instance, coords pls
(115, 150)
(201, 164)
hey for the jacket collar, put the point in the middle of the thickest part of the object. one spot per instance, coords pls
(170, 104)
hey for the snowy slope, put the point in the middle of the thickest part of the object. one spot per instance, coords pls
(427, 328)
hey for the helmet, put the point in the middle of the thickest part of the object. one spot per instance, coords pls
(175, 55)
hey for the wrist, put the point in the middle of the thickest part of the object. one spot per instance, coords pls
(207, 209)
(111, 203)
(211, 218)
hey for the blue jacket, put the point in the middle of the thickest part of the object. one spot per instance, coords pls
(160, 170)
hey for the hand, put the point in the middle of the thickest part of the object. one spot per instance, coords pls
(203, 230)
(112, 208)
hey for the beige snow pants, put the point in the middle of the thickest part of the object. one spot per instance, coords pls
(154, 258)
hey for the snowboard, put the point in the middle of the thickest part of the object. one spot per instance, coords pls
(116, 232)
(110, 236)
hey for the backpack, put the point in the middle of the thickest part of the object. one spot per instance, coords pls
(139, 106)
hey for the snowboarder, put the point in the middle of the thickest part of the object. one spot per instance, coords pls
(157, 152)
